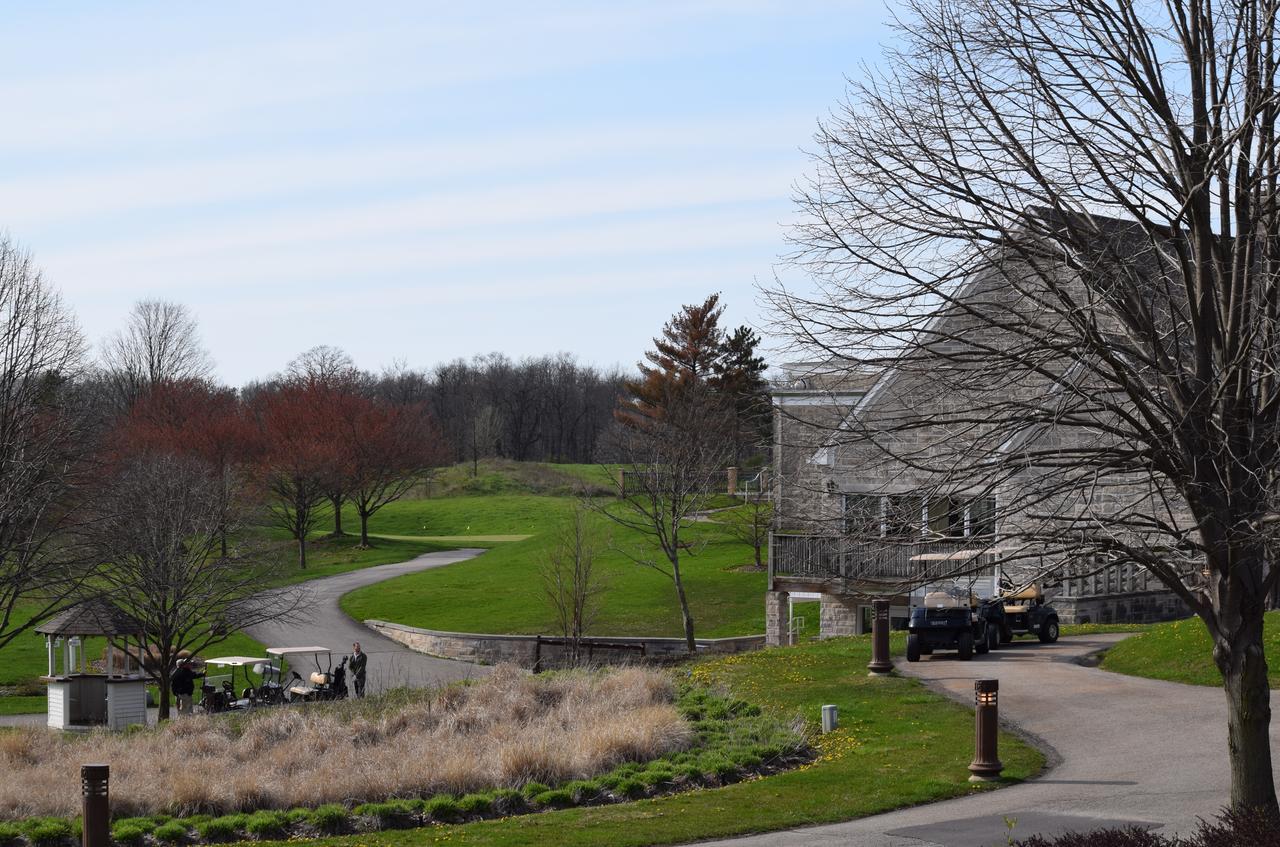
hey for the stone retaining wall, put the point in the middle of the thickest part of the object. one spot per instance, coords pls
(547, 652)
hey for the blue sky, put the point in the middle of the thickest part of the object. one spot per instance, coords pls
(415, 181)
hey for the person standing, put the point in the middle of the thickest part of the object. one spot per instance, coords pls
(183, 686)
(359, 661)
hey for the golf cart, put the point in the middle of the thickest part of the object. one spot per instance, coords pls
(326, 682)
(223, 698)
(1026, 613)
(944, 622)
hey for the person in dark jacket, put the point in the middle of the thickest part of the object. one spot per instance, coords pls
(359, 661)
(183, 685)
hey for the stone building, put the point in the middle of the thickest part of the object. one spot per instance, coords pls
(854, 522)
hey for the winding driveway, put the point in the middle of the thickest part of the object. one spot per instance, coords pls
(322, 622)
(1122, 749)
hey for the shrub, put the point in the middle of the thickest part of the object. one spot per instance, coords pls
(331, 818)
(555, 799)
(170, 833)
(583, 790)
(630, 788)
(129, 833)
(41, 832)
(508, 800)
(297, 815)
(226, 828)
(392, 815)
(475, 804)
(689, 773)
(147, 825)
(9, 833)
(532, 789)
(721, 767)
(267, 824)
(442, 807)
(745, 759)
(609, 781)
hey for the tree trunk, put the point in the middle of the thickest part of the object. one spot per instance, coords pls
(337, 515)
(364, 528)
(689, 642)
(1244, 678)
(302, 551)
(163, 714)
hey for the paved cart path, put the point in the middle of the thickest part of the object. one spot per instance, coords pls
(1125, 749)
(391, 665)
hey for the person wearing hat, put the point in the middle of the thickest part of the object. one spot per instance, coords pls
(183, 685)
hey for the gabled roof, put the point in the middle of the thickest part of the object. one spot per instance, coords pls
(92, 617)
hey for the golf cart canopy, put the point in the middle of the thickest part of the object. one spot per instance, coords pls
(235, 661)
(289, 651)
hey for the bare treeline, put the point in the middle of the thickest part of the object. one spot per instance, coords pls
(544, 408)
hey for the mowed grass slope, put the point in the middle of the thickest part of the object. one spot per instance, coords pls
(501, 590)
(1181, 651)
(898, 744)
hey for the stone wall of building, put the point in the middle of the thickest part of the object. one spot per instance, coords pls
(776, 618)
(838, 616)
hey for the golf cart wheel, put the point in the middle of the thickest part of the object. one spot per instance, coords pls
(993, 638)
(1049, 632)
(913, 648)
(966, 645)
(982, 645)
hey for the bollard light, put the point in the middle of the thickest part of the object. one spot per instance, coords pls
(97, 805)
(986, 765)
(880, 662)
(830, 719)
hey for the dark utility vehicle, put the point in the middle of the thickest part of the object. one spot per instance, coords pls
(945, 623)
(1026, 613)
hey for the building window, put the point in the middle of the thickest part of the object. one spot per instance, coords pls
(902, 516)
(982, 516)
(911, 516)
(862, 515)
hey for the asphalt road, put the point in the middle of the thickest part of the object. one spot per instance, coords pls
(1124, 750)
(322, 622)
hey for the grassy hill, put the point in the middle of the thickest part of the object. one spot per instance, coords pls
(501, 590)
(1181, 651)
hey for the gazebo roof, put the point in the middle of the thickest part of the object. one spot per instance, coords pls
(91, 617)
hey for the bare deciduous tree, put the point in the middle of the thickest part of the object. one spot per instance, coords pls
(750, 523)
(570, 580)
(159, 524)
(44, 444)
(159, 344)
(1055, 227)
(673, 465)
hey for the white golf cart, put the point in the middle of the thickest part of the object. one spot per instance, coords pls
(224, 697)
(326, 682)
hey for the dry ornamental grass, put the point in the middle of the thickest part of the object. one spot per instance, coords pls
(505, 731)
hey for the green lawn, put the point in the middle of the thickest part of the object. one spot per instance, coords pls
(898, 744)
(498, 592)
(1181, 651)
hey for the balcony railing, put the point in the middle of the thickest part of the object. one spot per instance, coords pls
(824, 557)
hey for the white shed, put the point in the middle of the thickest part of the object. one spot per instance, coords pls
(83, 698)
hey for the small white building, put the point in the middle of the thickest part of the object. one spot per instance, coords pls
(81, 697)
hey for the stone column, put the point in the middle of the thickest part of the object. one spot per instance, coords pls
(776, 609)
(839, 616)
